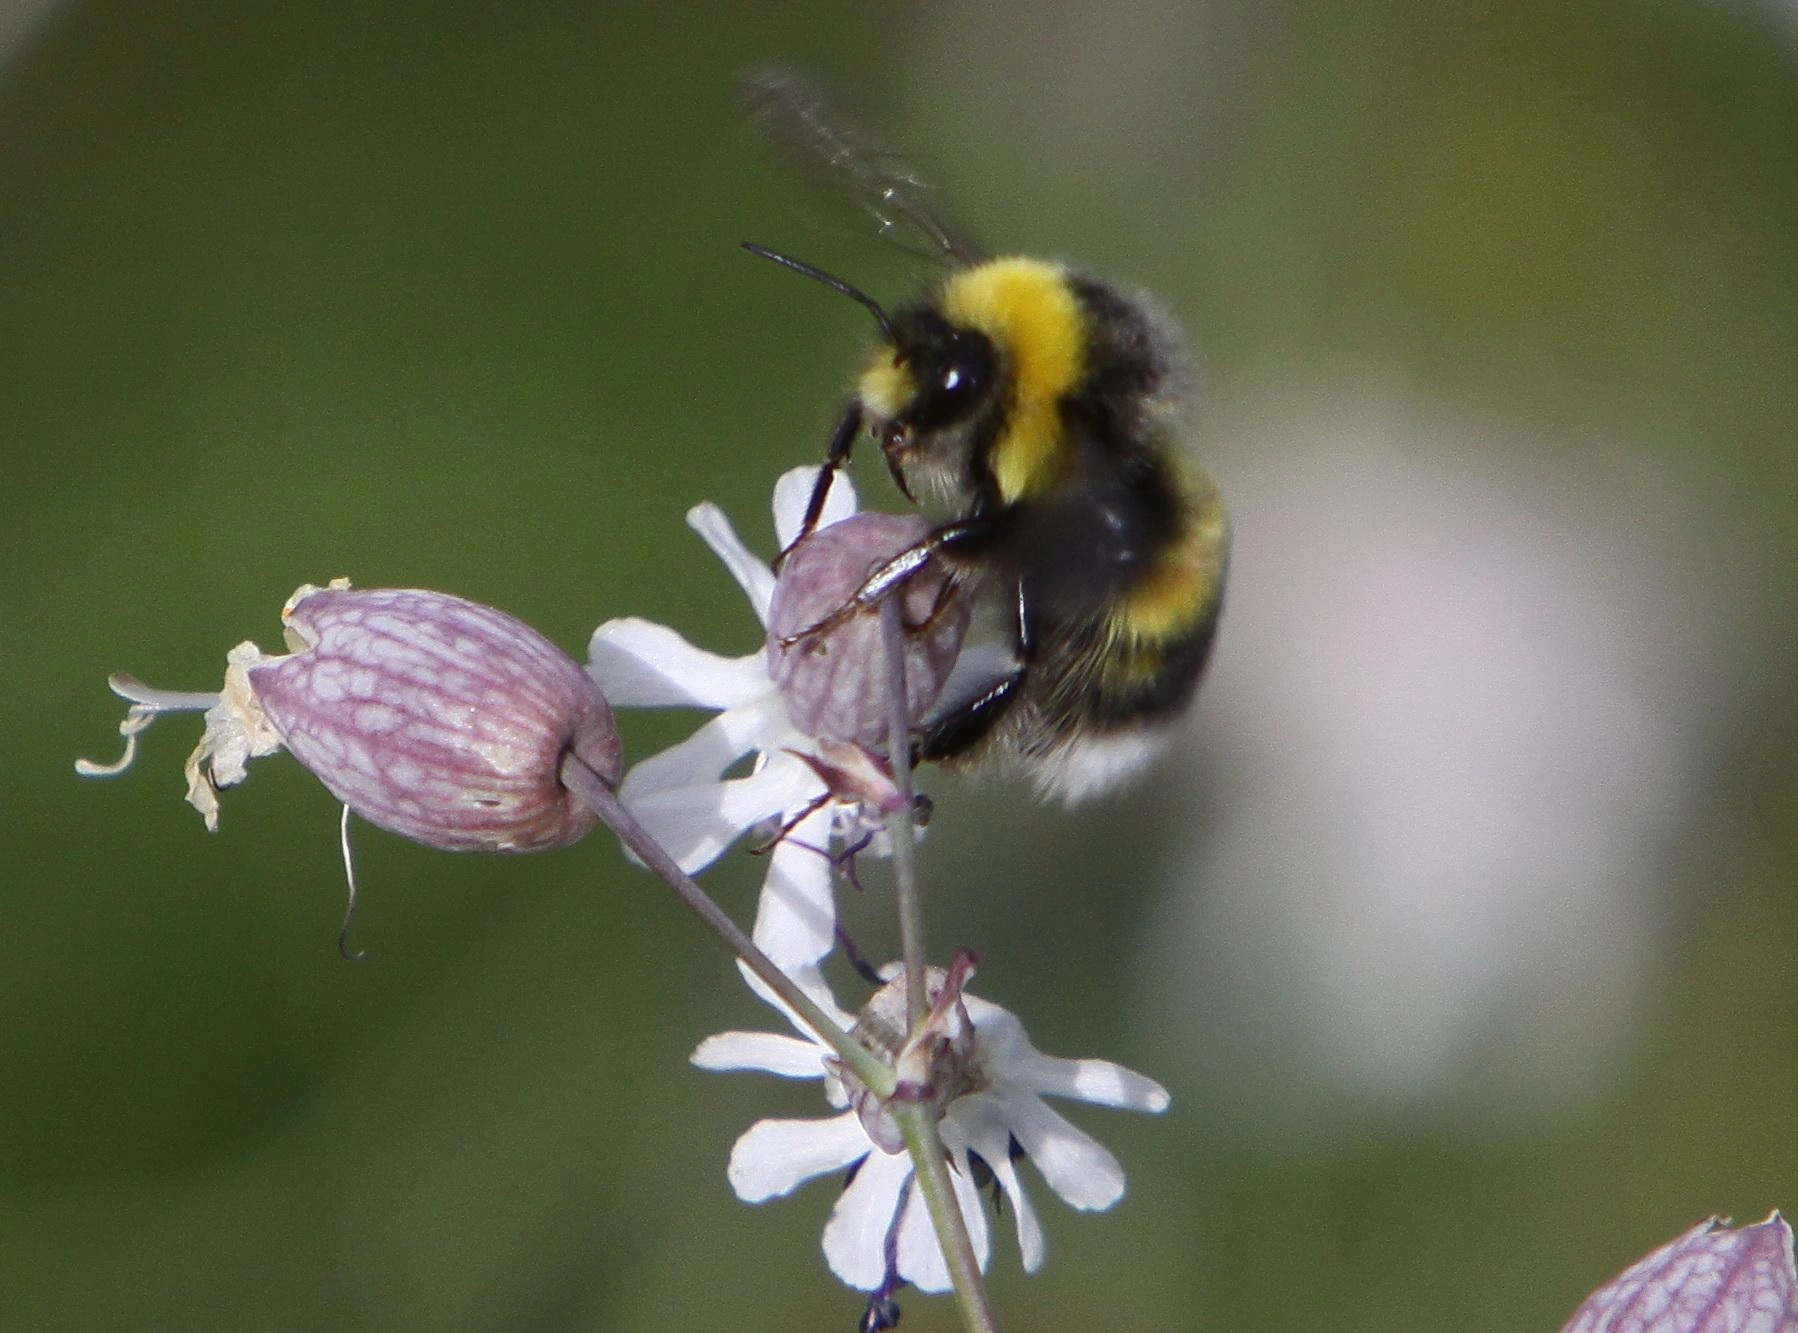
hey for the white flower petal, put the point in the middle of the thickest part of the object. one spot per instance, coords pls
(696, 824)
(775, 1157)
(973, 1209)
(1007, 1049)
(793, 492)
(921, 1259)
(809, 980)
(785, 776)
(1076, 1165)
(1031, 1245)
(780, 788)
(691, 824)
(765, 1052)
(855, 1237)
(640, 664)
(237, 731)
(796, 918)
(751, 572)
(977, 1123)
(702, 758)
(1097, 1081)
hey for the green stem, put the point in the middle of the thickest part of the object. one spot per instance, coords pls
(932, 1174)
(900, 828)
(930, 1164)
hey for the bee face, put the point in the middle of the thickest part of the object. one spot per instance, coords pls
(925, 394)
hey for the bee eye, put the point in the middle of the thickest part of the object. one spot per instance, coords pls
(962, 374)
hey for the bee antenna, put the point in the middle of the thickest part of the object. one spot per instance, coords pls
(830, 280)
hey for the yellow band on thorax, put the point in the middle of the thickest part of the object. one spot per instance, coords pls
(1028, 309)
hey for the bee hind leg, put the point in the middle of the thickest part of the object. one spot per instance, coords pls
(965, 727)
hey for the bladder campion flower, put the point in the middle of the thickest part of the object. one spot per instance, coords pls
(433, 717)
(973, 1064)
(802, 710)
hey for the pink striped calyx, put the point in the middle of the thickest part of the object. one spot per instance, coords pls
(825, 653)
(439, 719)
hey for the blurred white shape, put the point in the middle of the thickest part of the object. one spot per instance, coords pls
(1464, 696)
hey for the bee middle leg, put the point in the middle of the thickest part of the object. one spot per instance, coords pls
(889, 577)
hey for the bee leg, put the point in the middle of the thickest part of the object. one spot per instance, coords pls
(842, 441)
(882, 582)
(960, 731)
(945, 598)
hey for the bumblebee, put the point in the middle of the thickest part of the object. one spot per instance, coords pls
(1045, 408)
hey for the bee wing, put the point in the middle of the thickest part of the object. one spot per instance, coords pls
(791, 114)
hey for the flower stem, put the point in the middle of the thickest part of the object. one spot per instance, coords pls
(603, 801)
(926, 1148)
(922, 1140)
(900, 827)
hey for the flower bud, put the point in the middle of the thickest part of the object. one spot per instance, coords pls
(436, 718)
(834, 679)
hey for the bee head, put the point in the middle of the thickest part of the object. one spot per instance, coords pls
(925, 392)
(928, 378)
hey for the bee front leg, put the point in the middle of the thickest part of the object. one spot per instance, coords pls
(842, 441)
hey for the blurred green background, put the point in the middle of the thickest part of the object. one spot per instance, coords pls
(1496, 311)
